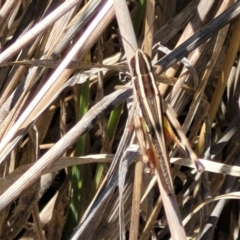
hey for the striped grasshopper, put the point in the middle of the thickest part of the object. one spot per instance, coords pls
(150, 103)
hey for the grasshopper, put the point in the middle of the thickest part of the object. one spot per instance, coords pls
(154, 117)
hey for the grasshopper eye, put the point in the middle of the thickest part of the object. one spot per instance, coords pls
(133, 66)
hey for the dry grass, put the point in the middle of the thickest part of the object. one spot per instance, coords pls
(65, 131)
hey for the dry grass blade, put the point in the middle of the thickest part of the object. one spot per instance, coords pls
(72, 64)
(201, 36)
(61, 147)
(50, 87)
(91, 221)
(169, 201)
(38, 29)
(129, 39)
(170, 28)
(61, 61)
(63, 162)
